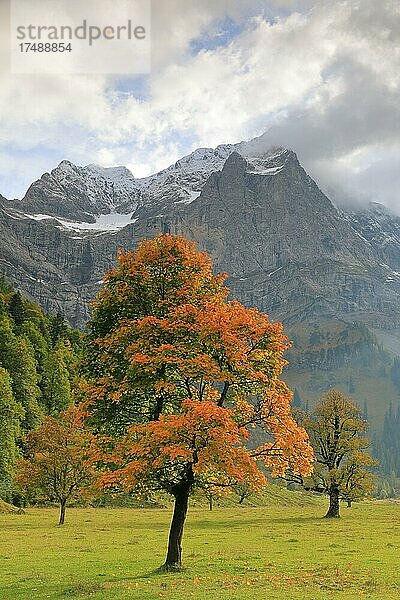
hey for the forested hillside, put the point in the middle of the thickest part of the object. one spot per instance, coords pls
(347, 357)
(38, 358)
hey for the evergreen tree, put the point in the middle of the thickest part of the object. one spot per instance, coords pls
(17, 309)
(32, 332)
(395, 372)
(351, 386)
(40, 354)
(11, 413)
(17, 356)
(3, 307)
(56, 389)
(5, 287)
(297, 402)
(58, 328)
(389, 453)
(365, 411)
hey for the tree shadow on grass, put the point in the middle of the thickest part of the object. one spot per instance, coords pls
(155, 573)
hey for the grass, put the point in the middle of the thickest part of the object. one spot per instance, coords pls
(274, 552)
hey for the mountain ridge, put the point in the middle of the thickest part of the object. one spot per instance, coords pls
(261, 218)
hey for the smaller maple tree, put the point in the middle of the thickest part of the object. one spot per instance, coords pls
(60, 460)
(187, 381)
(343, 464)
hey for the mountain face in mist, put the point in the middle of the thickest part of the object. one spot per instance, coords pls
(262, 219)
(332, 276)
(381, 228)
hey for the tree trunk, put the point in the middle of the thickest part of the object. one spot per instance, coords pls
(348, 503)
(333, 511)
(63, 505)
(174, 555)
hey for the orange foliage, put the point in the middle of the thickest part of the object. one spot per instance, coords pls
(60, 458)
(200, 374)
(204, 435)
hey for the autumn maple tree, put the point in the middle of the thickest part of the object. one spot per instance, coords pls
(343, 464)
(186, 382)
(59, 461)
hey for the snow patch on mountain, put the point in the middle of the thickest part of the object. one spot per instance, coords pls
(108, 222)
(260, 170)
(270, 163)
(39, 217)
(191, 195)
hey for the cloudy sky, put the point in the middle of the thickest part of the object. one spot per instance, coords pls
(321, 77)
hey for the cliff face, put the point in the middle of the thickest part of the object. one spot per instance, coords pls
(381, 228)
(285, 246)
(262, 219)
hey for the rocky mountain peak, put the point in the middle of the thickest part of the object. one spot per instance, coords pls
(235, 165)
(81, 193)
(65, 166)
(254, 209)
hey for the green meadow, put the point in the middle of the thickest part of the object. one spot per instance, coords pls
(260, 552)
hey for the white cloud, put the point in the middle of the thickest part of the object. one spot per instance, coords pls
(323, 79)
